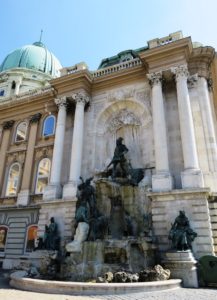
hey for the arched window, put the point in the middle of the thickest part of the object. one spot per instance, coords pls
(43, 175)
(13, 180)
(49, 126)
(21, 132)
(3, 237)
(31, 238)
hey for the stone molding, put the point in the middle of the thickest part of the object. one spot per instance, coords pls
(35, 118)
(155, 78)
(61, 102)
(8, 124)
(80, 98)
(180, 72)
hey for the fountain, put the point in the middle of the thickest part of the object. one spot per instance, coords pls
(112, 237)
(119, 227)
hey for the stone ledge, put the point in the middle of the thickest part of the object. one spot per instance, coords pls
(180, 192)
(83, 288)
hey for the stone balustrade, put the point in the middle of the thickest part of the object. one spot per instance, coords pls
(116, 68)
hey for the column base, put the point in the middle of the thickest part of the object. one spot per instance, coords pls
(23, 197)
(162, 182)
(52, 191)
(182, 266)
(192, 179)
(70, 190)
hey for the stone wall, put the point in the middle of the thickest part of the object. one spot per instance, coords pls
(166, 207)
(213, 217)
(17, 221)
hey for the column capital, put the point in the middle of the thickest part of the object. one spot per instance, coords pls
(155, 78)
(35, 118)
(8, 124)
(192, 80)
(61, 102)
(80, 97)
(180, 72)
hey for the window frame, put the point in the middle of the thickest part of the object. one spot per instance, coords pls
(26, 238)
(15, 139)
(44, 124)
(38, 177)
(18, 181)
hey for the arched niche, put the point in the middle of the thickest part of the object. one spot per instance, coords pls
(128, 119)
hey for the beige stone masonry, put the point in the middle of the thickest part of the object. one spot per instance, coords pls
(166, 207)
(4, 147)
(60, 210)
(23, 196)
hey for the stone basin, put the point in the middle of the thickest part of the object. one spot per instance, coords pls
(83, 288)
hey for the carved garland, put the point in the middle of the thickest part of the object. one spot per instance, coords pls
(124, 117)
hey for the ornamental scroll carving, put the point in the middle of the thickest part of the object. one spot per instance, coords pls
(155, 78)
(180, 71)
(124, 117)
(61, 102)
(80, 97)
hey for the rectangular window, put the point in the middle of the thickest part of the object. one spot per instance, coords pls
(2, 93)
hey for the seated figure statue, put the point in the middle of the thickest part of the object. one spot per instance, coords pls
(181, 234)
(51, 239)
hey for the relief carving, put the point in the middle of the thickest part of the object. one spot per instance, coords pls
(124, 117)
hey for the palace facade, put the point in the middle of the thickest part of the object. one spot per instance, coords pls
(58, 124)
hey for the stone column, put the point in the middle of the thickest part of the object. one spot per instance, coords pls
(54, 188)
(162, 180)
(70, 188)
(24, 194)
(4, 147)
(207, 117)
(192, 176)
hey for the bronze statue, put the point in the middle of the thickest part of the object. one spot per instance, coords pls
(181, 234)
(119, 159)
(86, 193)
(51, 236)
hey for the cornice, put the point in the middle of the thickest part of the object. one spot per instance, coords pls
(166, 56)
(73, 81)
(200, 61)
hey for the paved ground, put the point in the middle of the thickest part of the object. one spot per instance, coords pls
(7, 293)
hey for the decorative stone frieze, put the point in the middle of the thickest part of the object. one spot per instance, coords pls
(35, 118)
(42, 152)
(8, 124)
(124, 117)
(18, 156)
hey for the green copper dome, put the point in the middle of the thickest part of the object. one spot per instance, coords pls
(35, 57)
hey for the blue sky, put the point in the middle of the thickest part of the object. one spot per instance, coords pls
(90, 30)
